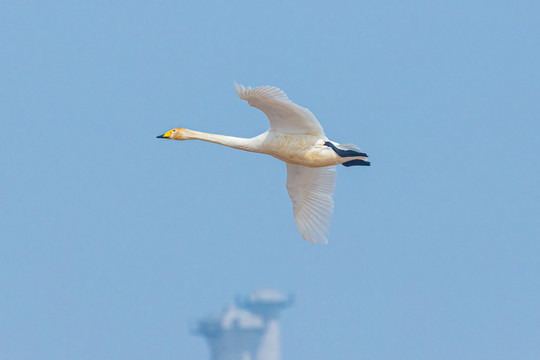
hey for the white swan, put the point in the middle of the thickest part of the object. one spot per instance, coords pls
(295, 137)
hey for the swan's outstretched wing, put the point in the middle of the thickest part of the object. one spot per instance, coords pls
(284, 115)
(311, 191)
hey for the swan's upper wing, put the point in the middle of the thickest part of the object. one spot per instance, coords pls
(284, 115)
(311, 191)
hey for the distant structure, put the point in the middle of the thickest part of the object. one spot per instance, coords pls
(247, 331)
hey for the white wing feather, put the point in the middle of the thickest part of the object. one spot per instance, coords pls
(311, 191)
(284, 115)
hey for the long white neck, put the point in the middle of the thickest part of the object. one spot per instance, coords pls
(230, 141)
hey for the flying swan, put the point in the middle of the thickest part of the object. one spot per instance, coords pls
(295, 137)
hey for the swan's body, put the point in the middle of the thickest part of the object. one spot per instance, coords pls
(295, 137)
(306, 150)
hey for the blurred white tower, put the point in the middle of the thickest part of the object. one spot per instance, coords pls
(267, 303)
(235, 335)
(250, 333)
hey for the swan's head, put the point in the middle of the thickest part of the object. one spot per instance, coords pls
(174, 134)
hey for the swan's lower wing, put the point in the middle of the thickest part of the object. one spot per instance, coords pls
(311, 191)
(284, 115)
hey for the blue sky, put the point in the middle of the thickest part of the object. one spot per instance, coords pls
(113, 242)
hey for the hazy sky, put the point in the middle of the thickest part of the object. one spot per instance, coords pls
(113, 243)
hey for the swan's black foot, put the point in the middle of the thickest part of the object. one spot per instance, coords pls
(346, 150)
(356, 162)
